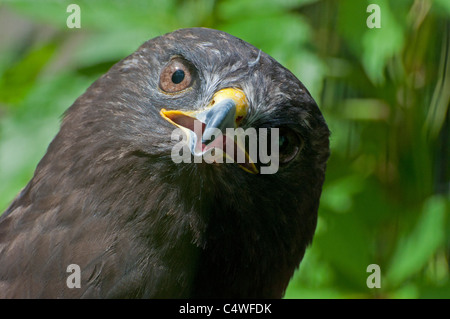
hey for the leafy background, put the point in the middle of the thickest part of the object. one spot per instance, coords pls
(384, 93)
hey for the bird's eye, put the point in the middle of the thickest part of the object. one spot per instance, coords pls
(290, 145)
(176, 76)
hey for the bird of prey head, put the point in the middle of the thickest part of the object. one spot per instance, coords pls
(109, 197)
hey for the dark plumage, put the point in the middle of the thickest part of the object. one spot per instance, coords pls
(108, 197)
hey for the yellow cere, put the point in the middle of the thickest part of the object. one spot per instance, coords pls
(238, 96)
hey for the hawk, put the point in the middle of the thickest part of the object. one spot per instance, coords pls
(110, 197)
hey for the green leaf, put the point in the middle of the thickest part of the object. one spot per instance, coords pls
(242, 9)
(279, 35)
(109, 46)
(413, 251)
(102, 14)
(347, 246)
(442, 6)
(338, 195)
(380, 45)
(19, 78)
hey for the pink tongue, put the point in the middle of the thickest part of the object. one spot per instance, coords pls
(186, 121)
(219, 142)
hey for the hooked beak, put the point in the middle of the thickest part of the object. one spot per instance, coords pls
(206, 129)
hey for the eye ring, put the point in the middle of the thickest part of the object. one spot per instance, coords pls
(176, 76)
(290, 145)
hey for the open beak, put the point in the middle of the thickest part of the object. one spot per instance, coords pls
(207, 128)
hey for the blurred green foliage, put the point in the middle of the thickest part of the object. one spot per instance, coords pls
(384, 93)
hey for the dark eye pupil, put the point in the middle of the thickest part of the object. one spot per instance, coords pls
(289, 145)
(282, 141)
(178, 76)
